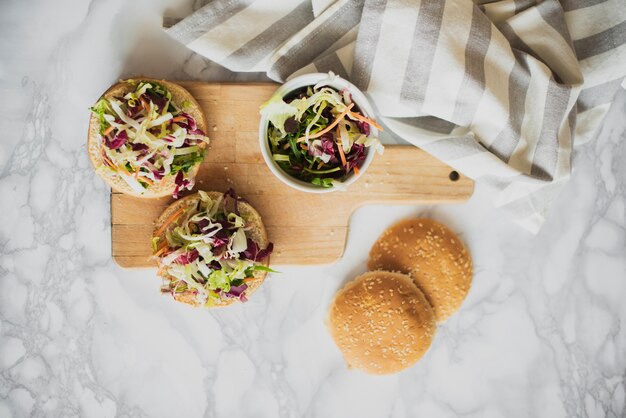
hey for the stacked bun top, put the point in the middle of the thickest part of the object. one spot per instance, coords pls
(381, 322)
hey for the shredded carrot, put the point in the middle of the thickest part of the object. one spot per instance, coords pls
(320, 165)
(249, 279)
(340, 148)
(106, 160)
(146, 180)
(143, 103)
(356, 170)
(168, 221)
(329, 127)
(364, 119)
(179, 119)
(304, 147)
(161, 251)
(108, 130)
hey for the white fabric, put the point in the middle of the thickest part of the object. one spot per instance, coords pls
(493, 89)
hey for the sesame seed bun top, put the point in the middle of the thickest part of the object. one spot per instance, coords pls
(381, 322)
(433, 256)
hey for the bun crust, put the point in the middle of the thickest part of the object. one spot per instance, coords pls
(166, 186)
(381, 322)
(256, 232)
(433, 256)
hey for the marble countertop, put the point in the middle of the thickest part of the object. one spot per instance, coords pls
(542, 333)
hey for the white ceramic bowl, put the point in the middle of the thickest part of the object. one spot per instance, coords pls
(310, 80)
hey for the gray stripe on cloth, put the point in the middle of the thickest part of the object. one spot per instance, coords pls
(429, 123)
(601, 42)
(447, 149)
(515, 41)
(571, 120)
(552, 13)
(569, 5)
(473, 84)
(203, 20)
(482, 2)
(422, 51)
(331, 62)
(519, 80)
(313, 44)
(598, 95)
(249, 54)
(547, 148)
(367, 42)
(521, 5)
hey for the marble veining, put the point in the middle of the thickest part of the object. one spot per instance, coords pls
(541, 334)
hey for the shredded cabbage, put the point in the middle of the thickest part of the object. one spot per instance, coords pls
(318, 134)
(206, 251)
(146, 138)
(277, 112)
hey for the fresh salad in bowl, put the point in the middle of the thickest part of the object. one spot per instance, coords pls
(318, 134)
(147, 137)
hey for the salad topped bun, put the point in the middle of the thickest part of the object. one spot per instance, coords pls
(212, 249)
(147, 138)
(381, 322)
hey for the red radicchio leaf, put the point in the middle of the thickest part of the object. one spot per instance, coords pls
(326, 148)
(181, 184)
(179, 178)
(159, 102)
(191, 123)
(158, 175)
(364, 127)
(230, 193)
(355, 157)
(328, 145)
(139, 147)
(118, 140)
(203, 224)
(196, 132)
(236, 291)
(254, 253)
(187, 258)
(315, 150)
(132, 111)
(220, 239)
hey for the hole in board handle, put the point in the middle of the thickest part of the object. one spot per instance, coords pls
(454, 176)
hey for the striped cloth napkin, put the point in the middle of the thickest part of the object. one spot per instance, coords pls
(499, 90)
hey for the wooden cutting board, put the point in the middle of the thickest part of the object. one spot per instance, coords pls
(305, 228)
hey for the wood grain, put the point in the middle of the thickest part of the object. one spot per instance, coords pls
(305, 228)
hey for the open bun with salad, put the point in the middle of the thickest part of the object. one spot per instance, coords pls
(211, 248)
(147, 138)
